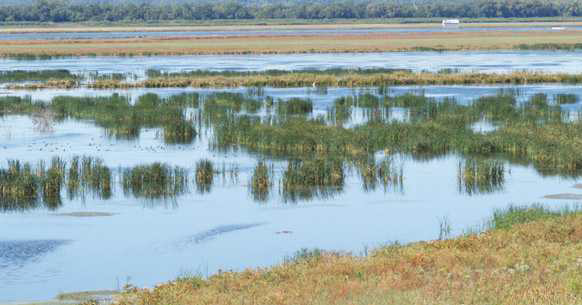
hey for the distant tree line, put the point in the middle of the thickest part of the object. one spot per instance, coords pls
(66, 11)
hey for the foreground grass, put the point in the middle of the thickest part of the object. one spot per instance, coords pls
(529, 256)
(373, 42)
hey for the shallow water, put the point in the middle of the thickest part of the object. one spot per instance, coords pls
(272, 32)
(145, 242)
(486, 62)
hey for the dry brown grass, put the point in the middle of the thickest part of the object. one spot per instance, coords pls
(534, 263)
(325, 79)
(376, 42)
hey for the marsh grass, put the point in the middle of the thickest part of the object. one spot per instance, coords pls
(116, 114)
(481, 176)
(317, 81)
(566, 99)
(514, 215)
(531, 132)
(155, 181)
(40, 75)
(308, 179)
(294, 106)
(261, 181)
(383, 173)
(204, 176)
(27, 186)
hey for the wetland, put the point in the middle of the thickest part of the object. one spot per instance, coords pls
(219, 169)
(187, 153)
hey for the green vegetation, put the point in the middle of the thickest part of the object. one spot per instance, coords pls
(515, 215)
(320, 150)
(116, 114)
(204, 176)
(42, 75)
(62, 11)
(481, 176)
(383, 173)
(305, 180)
(518, 260)
(155, 181)
(25, 186)
(535, 132)
(261, 182)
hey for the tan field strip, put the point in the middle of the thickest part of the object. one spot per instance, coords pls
(374, 42)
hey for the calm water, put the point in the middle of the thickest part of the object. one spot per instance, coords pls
(144, 242)
(275, 32)
(488, 62)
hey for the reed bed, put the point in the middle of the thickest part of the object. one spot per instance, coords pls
(294, 106)
(27, 186)
(308, 179)
(563, 99)
(261, 182)
(204, 176)
(41, 75)
(116, 114)
(481, 176)
(383, 173)
(318, 79)
(535, 131)
(155, 181)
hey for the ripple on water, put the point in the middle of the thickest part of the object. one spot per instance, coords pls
(17, 253)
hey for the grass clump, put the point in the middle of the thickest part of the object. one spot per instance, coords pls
(27, 186)
(155, 181)
(261, 182)
(515, 215)
(294, 106)
(481, 176)
(308, 179)
(383, 173)
(204, 176)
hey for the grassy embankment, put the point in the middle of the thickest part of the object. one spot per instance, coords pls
(325, 43)
(528, 256)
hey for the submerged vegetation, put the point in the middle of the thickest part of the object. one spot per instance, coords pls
(528, 255)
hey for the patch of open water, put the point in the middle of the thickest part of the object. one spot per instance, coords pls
(485, 61)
